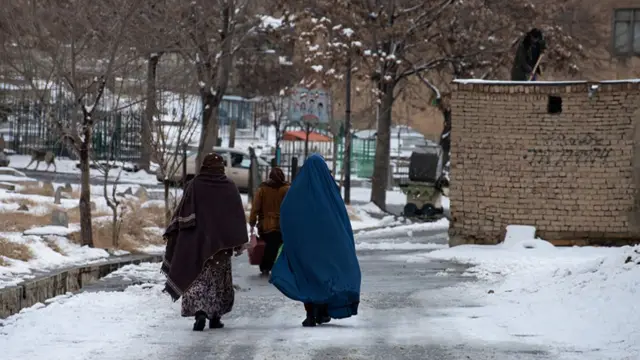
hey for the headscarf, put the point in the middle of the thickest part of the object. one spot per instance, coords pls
(276, 178)
(212, 164)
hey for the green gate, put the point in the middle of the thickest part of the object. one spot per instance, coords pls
(363, 152)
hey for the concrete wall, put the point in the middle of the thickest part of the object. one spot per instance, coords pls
(13, 299)
(573, 175)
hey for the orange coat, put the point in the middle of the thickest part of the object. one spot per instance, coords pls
(265, 210)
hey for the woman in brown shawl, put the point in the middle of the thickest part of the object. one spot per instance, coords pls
(207, 227)
(265, 212)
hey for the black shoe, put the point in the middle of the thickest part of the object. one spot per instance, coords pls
(310, 321)
(201, 321)
(264, 273)
(323, 315)
(215, 324)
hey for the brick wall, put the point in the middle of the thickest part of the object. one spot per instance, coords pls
(570, 174)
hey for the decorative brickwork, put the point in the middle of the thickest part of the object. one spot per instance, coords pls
(572, 174)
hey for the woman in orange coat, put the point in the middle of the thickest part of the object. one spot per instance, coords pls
(265, 213)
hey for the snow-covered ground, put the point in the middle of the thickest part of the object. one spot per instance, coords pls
(405, 228)
(45, 257)
(142, 323)
(582, 301)
(29, 245)
(68, 166)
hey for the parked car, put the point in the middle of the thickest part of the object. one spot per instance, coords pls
(237, 167)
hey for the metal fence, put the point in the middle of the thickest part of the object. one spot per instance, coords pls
(289, 163)
(26, 122)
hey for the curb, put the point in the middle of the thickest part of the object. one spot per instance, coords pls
(30, 292)
(379, 227)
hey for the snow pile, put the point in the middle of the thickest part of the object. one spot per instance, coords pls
(362, 217)
(576, 299)
(407, 229)
(53, 230)
(371, 208)
(48, 253)
(145, 273)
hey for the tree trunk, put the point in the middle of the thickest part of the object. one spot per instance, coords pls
(168, 208)
(380, 178)
(150, 111)
(346, 156)
(115, 229)
(334, 165)
(445, 137)
(209, 130)
(232, 132)
(86, 233)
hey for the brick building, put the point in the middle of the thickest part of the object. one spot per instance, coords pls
(564, 157)
(620, 20)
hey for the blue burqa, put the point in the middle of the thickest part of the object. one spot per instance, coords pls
(318, 263)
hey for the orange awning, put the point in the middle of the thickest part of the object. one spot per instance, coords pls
(299, 135)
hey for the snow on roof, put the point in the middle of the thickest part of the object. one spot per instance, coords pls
(566, 82)
(506, 82)
(633, 81)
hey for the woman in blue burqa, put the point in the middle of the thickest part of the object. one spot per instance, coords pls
(318, 264)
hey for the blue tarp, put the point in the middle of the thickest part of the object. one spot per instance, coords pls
(318, 263)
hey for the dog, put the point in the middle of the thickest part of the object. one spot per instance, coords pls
(39, 156)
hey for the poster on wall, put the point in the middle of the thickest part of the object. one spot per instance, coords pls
(310, 106)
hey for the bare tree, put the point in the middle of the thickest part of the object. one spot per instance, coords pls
(156, 32)
(212, 34)
(400, 41)
(266, 73)
(82, 44)
(170, 133)
(112, 198)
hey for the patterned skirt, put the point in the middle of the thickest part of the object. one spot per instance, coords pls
(212, 292)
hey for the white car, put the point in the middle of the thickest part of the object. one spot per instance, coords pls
(237, 164)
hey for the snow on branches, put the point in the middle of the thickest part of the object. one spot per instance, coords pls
(462, 38)
(325, 47)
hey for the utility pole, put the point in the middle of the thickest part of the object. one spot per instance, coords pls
(346, 157)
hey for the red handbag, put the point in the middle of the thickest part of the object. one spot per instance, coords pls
(256, 249)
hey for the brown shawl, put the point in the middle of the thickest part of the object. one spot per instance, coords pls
(209, 219)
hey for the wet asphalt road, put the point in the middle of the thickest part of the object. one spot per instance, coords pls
(398, 301)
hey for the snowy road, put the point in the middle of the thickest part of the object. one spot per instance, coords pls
(401, 317)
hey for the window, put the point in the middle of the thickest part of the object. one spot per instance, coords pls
(240, 161)
(626, 32)
(245, 163)
(554, 105)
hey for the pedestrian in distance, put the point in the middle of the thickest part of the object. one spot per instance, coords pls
(265, 215)
(317, 265)
(206, 228)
